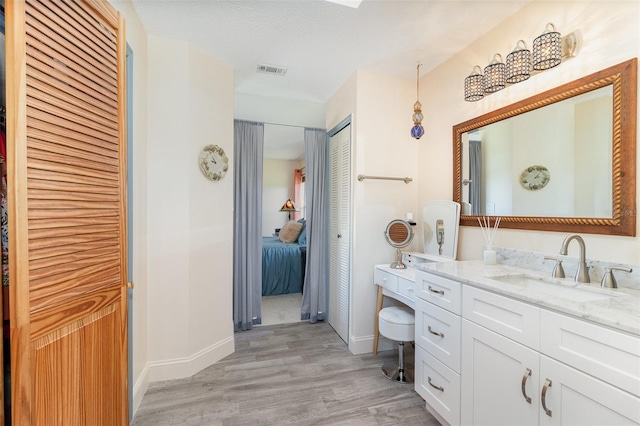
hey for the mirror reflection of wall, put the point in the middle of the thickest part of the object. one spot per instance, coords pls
(283, 155)
(572, 139)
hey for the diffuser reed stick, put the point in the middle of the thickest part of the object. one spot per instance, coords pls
(489, 235)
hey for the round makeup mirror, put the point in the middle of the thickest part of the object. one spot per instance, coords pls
(399, 234)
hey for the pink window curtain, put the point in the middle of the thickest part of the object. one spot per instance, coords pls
(297, 192)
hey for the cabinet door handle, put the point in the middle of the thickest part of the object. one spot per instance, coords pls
(434, 332)
(440, 292)
(543, 400)
(440, 388)
(525, 377)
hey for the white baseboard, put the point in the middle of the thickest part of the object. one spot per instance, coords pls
(363, 345)
(139, 389)
(179, 368)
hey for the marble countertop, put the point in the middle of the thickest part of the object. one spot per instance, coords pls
(617, 308)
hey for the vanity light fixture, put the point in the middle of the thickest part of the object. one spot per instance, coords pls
(495, 75)
(473, 87)
(417, 130)
(547, 49)
(519, 63)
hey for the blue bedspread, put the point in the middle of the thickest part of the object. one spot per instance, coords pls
(282, 267)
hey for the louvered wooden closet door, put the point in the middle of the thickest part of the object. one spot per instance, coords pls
(67, 176)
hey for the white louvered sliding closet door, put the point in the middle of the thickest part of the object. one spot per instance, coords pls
(340, 231)
(67, 196)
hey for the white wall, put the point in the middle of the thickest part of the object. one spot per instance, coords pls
(381, 107)
(190, 219)
(279, 111)
(609, 36)
(277, 187)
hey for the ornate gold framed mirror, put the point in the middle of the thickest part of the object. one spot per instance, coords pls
(584, 132)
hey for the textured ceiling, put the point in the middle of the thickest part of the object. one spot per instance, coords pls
(320, 42)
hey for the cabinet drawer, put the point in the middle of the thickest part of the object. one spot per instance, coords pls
(516, 320)
(440, 291)
(609, 355)
(438, 332)
(406, 288)
(438, 385)
(385, 279)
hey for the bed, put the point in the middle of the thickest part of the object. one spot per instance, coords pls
(282, 266)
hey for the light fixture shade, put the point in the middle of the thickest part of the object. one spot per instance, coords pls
(547, 49)
(518, 63)
(473, 86)
(495, 75)
(288, 206)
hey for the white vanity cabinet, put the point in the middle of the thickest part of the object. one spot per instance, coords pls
(520, 364)
(509, 375)
(437, 354)
(500, 338)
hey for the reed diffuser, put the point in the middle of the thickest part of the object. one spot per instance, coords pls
(489, 234)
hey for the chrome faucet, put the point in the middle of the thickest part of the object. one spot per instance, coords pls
(582, 274)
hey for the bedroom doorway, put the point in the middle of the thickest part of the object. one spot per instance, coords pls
(283, 262)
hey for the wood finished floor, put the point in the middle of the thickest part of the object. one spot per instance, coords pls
(288, 374)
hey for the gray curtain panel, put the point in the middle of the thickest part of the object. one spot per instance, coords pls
(247, 224)
(475, 175)
(314, 299)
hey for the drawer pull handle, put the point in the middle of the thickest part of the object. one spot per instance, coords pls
(440, 292)
(547, 385)
(440, 388)
(435, 332)
(525, 377)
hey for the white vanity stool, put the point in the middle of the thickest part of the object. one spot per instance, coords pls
(397, 323)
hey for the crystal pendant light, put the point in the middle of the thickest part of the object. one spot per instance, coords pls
(547, 49)
(519, 63)
(495, 77)
(473, 87)
(417, 130)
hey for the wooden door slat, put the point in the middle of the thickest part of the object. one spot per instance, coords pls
(43, 130)
(88, 167)
(68, 116)
(38, 60)
(61, 274)
(69, 55)
(35, 234)
(97, 28)
(98, 161)
(50, 121)
(36, 194)
(65, 24)
(65, 250)
(40, 71)
(63, 214)
(80, 171)
(51, 223)
(44, 263)
(49, 94)
(60, 241)
(64, 292)
(52, 205)
(41, 274)
(37, 184)
(55, 176)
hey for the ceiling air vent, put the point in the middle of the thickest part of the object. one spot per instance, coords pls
(272, 69)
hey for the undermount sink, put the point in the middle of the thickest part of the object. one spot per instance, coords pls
(557, 288)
